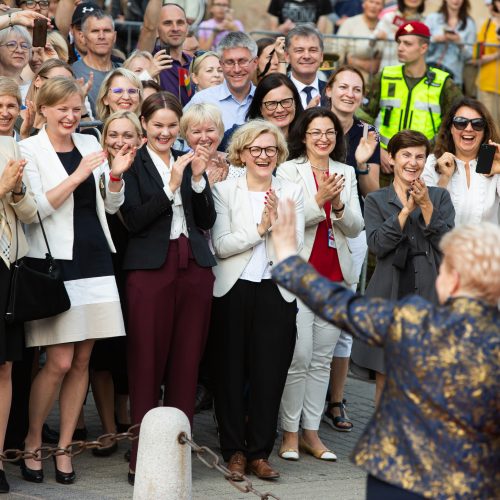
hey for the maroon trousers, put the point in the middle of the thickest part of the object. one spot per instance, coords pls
(168, 319)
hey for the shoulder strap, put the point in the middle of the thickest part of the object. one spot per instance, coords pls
(44, 235)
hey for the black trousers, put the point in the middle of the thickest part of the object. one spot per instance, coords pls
(380, 490)
(254, 332)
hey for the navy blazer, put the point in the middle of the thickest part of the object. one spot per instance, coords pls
(147, 212)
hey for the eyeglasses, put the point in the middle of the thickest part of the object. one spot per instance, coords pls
(242, 63)
(256, 151)
(12, 46)
(225, 5)
(284, 103)
(318, 134)
(120, 91)
(461, 123)
(31, 4)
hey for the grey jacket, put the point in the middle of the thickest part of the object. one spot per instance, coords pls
(385, 239)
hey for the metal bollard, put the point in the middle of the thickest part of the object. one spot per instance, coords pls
(163, 468)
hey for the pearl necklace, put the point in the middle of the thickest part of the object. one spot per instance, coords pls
(320, 169)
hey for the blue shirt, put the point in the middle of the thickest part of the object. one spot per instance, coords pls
(233, 111)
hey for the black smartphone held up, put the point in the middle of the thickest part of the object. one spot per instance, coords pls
(165, 46)
(485, 158)
(40, 33)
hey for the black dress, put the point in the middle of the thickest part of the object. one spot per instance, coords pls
(95, 307)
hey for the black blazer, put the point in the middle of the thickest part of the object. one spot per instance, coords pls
(147, 212)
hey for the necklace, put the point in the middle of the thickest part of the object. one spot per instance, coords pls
(320, 169)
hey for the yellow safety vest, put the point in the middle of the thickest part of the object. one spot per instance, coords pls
(401, 109)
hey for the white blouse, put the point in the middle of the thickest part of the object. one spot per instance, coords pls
(257, 268)
(473, 204)
(179, 225)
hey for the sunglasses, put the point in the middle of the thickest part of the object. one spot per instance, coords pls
(461, 123)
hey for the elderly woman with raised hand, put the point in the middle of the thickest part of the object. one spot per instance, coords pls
(17, 206)
(253, 321)
(74, 188)
(404, 223)
(332, 214)
(476, 197)
(120, 90)
(168, 207)
(435, 432)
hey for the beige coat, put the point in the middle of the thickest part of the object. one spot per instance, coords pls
(24, 211)
(348, 225)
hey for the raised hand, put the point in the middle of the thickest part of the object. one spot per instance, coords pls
(314, 102)
(495, 168)
(27, 18)
(446, 164)
(86, 87)
(178, 170)
(420, 193)
(218, 169)
(284, 232)
(200, 162)
(29, 119)
(88, 164)
(161, 61)
(123, 160)
(366, 147)
(279, 48)
(270, 209)
(12, 177)
(329, 189)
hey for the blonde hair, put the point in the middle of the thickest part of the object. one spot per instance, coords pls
(118, 115)
(135, 55)
(473, 251)
(55, 90)
(9, 87)
(201, 113)
(103, 110)
(194, 67)
(59, 43)
(247, 133)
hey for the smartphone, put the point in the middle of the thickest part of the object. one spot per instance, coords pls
(165, 46)
(450, 31)
(40, 33)
(485, 158)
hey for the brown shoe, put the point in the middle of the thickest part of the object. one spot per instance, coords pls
(237, 465)
(262, 469)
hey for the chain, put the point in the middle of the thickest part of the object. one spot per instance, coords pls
(213, 461)
(73, 449)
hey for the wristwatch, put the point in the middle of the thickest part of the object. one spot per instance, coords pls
(22, 192)
(365, 171)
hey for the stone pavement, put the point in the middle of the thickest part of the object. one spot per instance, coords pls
(308, 479)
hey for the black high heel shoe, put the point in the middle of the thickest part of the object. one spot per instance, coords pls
(4, 485)
(31, 475)
(64, 477)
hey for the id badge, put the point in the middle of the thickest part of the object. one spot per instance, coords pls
(331, 239)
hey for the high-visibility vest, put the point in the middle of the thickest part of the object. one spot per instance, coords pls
(400, 108)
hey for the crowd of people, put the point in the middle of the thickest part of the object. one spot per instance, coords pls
(158, 177)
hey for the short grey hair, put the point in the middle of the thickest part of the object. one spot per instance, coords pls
(15, 30)
(305, 30)
(237, 40)
(96, 14)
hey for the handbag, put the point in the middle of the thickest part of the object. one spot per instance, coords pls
(36, 294)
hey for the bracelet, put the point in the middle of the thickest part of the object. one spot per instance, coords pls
(112, 178)
(365, 171)
(338, 210)
(10, 20)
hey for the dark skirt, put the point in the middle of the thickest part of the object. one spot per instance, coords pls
(11, 336)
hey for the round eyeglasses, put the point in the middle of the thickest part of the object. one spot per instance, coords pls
(256, 151)
(12, 46)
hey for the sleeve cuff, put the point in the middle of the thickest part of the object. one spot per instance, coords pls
(198, 187)
(168, 192)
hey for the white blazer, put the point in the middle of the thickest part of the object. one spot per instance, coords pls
(235, 233)
(45, 171)
(349, 225)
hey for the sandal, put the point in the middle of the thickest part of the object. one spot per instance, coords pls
(334, 422)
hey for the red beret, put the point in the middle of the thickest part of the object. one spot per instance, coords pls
(413, 28)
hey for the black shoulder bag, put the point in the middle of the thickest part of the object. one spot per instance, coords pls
(36, 294)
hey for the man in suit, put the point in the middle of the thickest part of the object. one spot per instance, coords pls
(304, 54)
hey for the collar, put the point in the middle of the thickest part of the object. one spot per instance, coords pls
(300, 86)
(225, 93)
(470, 305)
(158, 162)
